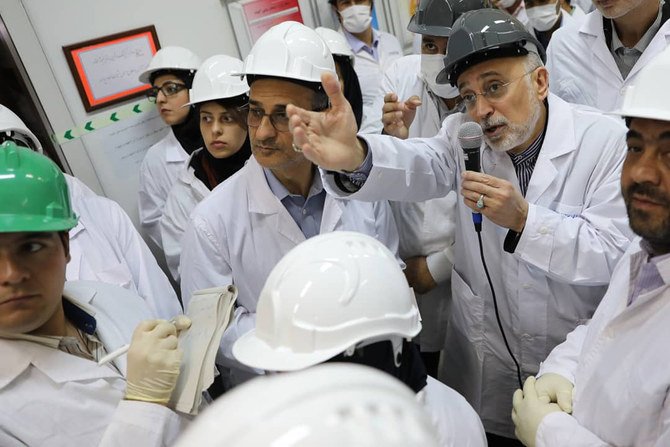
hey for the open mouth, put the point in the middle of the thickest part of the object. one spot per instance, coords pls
(494, 131)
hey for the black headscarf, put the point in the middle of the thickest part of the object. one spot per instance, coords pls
(352, 88)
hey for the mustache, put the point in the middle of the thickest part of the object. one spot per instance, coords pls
(493, 121)
(648, 191)
(270, 143)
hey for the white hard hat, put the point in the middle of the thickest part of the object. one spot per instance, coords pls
(648, 98)
(290, 50)
(214, 80)
(10, 122)
(170, 58)
(337, 43)
(325, 296)
(329, 405)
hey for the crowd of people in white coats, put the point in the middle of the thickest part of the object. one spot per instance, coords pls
(468, 246)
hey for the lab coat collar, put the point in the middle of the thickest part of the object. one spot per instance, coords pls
(59, 366)
(558, 141)
(592, 26)
(174, 153)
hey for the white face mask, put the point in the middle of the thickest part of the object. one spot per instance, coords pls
(506, 3)
(356, 19)
(542, 18)
(431, 65)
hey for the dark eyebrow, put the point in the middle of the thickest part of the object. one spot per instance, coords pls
(254, 103)
(664, 136)
(37, 235)
(633, 134)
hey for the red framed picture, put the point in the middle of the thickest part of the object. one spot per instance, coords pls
(106, 69)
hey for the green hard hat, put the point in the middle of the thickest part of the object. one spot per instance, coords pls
(33, 192)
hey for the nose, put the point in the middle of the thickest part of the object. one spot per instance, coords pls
(161, 98)
(644, 168)
(217, 128)
(482, 108)
(265, 129)
(11, 272)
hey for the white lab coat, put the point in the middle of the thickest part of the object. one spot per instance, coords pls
(158, 172)
(576, 231)
(370, 74)
(185, 194)
(106, 247)
(618, 365)
(51, 398)
(456, 421)
(582, 69)
(241, 230)
(425, 228)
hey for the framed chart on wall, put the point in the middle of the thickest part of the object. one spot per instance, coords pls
(106, 69)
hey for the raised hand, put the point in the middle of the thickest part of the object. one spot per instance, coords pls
(328, 139)
(397, 116)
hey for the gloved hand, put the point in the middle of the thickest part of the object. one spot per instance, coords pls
(154, 360)
(554, 388)
(528, 412)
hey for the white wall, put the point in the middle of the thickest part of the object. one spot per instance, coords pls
(41, 28)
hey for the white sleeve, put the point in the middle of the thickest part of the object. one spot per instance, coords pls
(386, 228)
(410, 170)
(150, 203)
(172, 225)
(149, 279)
(142, 423)
(440, 264)
(564, 358)
(583, 248)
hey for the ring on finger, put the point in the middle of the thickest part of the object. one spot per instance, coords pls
(480, 202)
(296, 148)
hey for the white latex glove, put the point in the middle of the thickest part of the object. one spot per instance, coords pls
(154, 360)
(528, 411)
(554, 388)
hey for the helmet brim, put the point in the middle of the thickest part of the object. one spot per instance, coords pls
(440, 31)
(642, 112)
(256, 353)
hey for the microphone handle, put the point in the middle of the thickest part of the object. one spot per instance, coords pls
(472, 162)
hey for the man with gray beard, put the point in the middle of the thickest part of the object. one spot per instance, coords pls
(554, 224)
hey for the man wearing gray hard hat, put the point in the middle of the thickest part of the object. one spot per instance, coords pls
(554, 223)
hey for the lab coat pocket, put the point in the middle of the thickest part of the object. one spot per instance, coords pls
(467, 312)
(119, 275)
(567, 210)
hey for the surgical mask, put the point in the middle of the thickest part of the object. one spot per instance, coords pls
(431, 65)
(506, 3)
(542, 18)
(356, 19)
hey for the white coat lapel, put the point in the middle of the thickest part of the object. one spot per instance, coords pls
(332, 214)
(263, 201)
(559, 140)
(660, 41)
(593, 27)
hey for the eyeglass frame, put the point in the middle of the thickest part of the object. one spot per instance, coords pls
(248, 109)
(487, 92)
(152, 93)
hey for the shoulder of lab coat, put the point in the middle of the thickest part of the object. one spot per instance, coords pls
(45, 388)
(402, 77)
(456, 421)
(157, 175)
(408, 170)
(110, 243)
(592, 230)
(185, 194)
(582, 69)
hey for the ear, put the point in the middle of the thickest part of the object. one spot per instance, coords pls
(65, 240)
(541, 82)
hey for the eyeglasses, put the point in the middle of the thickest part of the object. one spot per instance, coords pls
(279, 120)
(494, 92)
(168, 89)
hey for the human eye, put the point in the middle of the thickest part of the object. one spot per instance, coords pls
(280, 117)
(32, 246)
(469, 98)
(206, 119)
(171, 89)
(429, 47)
(634, 147)
(496, 87)
(227, 118)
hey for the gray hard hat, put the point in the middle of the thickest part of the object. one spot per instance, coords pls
(436, 17)
(482, 35)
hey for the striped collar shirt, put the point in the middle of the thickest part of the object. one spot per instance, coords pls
(524, 163)
(647, 272)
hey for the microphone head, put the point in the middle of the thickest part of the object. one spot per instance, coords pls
(470, 135)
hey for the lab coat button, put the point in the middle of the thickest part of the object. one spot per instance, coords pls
(544, 230)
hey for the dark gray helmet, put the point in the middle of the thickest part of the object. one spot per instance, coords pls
(436, 17)
(482, 35)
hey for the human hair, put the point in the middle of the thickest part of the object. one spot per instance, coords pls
(532, 61)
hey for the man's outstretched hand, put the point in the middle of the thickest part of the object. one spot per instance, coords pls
(328, 139)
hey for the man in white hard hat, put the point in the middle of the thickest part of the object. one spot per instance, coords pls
(616, 362)
(170, 74)
(553, 221)
(342, 297)
(104, 245)
(330, 405)
(243, 228)
(374, 51)
(593, 61)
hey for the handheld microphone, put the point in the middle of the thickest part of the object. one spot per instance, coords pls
(470, 137)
